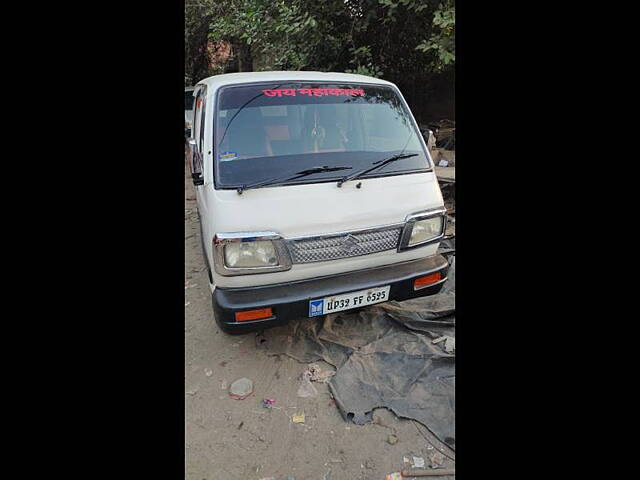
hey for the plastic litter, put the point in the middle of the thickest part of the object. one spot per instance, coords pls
(241, 388)
(317, 374)
(449, 343)
(306, 388)
(298, 418)
(208, 372)
(268, 402)
(392, 439)
(418, 462)
(393, 476)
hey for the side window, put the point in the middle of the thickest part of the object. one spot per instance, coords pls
(196, 115)
(203, 117)
(199, 128)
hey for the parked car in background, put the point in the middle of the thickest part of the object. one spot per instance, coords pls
(316, 193)
(188, 110)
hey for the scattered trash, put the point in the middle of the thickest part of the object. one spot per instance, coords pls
(405, 460)
(449, 343)
(192, 392)
(268, 402)
(187, 304)
(306, 388)
(208, 372)
(394, 476)
(241, 388)
(418, 462)
(298, 418)
(392, 439)
(443, 163)
(436, 459)
(427, 473)
(317, 374)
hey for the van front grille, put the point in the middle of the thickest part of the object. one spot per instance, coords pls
(344, 245)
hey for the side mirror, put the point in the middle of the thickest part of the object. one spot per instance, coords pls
(194, 164)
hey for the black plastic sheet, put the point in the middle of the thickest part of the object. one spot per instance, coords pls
(385, 356)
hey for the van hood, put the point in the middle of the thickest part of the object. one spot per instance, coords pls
(322, 208)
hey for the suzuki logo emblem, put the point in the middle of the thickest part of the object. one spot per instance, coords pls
(349, 244)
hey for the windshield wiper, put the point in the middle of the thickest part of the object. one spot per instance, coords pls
(378, 164)
(290, 177)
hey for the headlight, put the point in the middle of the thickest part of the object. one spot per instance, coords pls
(250, 254)
(425, 230)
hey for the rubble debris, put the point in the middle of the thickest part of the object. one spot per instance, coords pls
(436, 459)
(241, 389)
(418, 462)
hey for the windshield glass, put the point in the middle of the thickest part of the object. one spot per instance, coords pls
(268, 130)
(188, 100)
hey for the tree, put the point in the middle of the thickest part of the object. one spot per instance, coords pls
(409, 42)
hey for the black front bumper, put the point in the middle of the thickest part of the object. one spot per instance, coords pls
(291, 300)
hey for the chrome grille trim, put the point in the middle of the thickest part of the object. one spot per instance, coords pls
(322, 248)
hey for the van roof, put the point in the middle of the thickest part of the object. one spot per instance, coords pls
(218, 81)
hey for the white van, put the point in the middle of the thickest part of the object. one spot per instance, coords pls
(316, 194)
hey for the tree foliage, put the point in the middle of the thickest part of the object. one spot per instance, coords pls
(408, 42)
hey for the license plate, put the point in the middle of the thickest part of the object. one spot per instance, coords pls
(338, 303)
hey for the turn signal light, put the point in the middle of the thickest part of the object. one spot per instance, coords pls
(248, 315)
(421, 282)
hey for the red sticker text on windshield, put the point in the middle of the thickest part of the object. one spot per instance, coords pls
(315, 92)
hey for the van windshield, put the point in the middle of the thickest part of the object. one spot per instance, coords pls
(270, 130)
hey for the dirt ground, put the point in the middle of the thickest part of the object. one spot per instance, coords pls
(239, 439)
